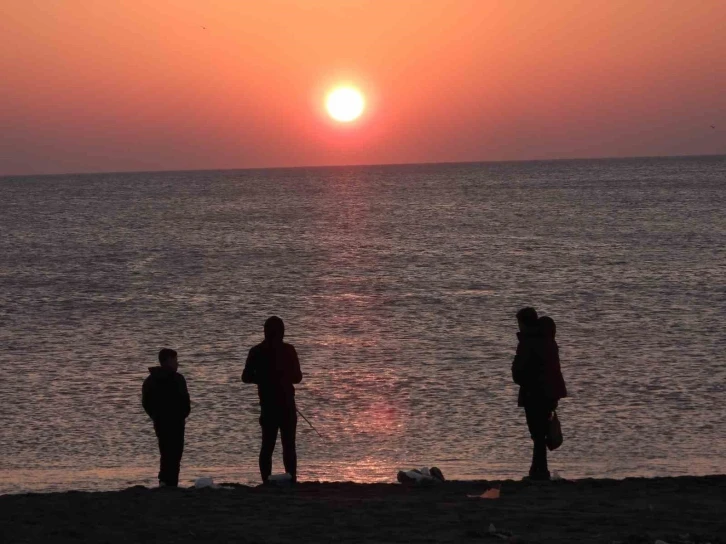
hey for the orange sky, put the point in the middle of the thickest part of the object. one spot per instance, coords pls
(106, 85)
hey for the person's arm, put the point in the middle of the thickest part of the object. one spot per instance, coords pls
(518, 365)
(186, 401)
(147, 397)
(250, 373)
(295, 372)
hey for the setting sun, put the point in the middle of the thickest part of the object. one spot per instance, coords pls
(345, 104)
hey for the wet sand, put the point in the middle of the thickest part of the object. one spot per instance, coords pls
(675, 510)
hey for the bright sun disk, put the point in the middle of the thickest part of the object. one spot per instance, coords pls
(345, 104)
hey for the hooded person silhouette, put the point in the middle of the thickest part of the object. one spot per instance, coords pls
(165, 399)
(274, 367)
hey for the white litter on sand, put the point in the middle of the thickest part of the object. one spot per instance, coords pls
(201, 483)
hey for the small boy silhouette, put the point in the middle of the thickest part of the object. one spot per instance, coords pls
(166, 399)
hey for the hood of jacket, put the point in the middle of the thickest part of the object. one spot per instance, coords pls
(161, 373)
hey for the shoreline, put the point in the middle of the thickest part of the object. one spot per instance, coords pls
(684, 509)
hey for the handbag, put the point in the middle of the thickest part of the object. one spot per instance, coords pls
(554, 432)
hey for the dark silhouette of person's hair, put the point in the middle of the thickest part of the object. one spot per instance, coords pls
(274, 329)
(547, 326)
(166, 354)
(528, 316)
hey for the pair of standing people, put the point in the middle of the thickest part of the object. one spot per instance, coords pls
(536, 369)
(272, 365)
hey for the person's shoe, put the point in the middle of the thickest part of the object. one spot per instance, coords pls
(538, 477)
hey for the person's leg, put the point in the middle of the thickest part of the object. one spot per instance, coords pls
(165, 452)
(537, 419)
(269, 437)
(287, 436)
(157, 430)
(176, 450)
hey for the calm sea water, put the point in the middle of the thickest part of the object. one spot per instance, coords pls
(398, 286)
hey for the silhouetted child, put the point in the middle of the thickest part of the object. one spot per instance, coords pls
(536, 369)
(166, 399)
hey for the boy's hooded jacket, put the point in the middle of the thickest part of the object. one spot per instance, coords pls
(165, 396)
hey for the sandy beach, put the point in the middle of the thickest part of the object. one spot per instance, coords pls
(674, 510)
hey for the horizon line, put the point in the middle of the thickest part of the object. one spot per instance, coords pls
(359, 165)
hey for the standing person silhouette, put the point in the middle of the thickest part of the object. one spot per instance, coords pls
(536, 369)
(165, 398)
(273, 365)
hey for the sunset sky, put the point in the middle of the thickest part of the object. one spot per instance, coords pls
(106, 85)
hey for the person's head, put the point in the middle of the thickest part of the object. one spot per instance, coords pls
(527, 318)
(274, 329)
(167, 359)
(547, 326)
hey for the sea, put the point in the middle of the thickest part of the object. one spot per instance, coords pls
(398, 286)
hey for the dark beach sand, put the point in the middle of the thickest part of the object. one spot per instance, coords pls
(689, 509)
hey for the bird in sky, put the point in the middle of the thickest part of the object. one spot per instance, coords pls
(713, 126)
